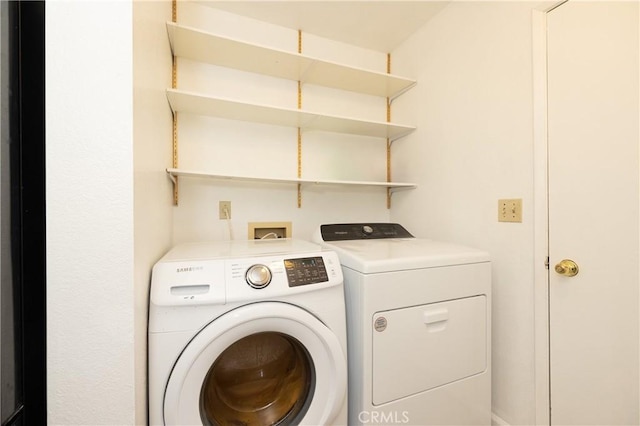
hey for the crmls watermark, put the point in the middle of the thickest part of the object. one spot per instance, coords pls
(384, 417)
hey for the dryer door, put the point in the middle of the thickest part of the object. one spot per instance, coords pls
(260, 364)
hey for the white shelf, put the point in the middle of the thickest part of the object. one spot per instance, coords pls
(206, 47)
(201, 46)
(193, 103)
(173, 173)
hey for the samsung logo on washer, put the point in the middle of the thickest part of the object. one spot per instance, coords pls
(189, 269)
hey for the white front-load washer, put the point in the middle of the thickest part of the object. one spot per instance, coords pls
(247, 333)
(418, 326)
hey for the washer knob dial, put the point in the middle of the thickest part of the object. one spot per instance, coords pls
(367, 230)
(258, 276)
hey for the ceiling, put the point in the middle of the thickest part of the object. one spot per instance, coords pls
(375, 25)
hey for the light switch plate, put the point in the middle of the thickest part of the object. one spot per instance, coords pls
(510, 210)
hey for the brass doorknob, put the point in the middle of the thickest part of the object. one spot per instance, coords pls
(567, 267)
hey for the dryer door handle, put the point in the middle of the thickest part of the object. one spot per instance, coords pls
(432, 317)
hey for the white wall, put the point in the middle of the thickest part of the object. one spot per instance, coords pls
(474, 144)
(89, 150)
(153, 192)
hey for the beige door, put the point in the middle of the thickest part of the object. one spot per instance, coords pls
(593, 97)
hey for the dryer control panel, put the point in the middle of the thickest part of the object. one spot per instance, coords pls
(363, 231)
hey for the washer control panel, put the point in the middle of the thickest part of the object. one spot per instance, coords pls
(306, 270)
(263, 277)
(363, 231)
(221, 272)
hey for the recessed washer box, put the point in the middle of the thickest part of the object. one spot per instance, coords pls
(264, 230)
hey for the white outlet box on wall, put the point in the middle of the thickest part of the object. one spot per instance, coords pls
(264, 230)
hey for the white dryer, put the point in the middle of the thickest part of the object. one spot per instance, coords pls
(418, 326)
(247, 333)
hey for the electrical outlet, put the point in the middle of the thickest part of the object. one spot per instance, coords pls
(510, 210)
(225, 209)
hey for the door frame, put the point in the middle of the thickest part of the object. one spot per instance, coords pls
(26, 127)
(541, 214)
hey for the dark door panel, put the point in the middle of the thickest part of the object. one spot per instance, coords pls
(22, 214)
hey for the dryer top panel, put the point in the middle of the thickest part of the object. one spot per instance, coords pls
(239, 248)
(370, 256)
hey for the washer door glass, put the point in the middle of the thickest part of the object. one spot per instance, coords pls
(262, 379)
(259, 364)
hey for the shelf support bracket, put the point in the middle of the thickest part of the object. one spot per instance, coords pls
(299, 167)
(299, 130)
(174, 85)
(388, 140)
(175, 158)
(389, 192)
(173, 178)
(400, 93)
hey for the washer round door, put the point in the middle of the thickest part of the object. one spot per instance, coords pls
(265, 363)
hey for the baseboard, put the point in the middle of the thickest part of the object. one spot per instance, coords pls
(497, 421)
